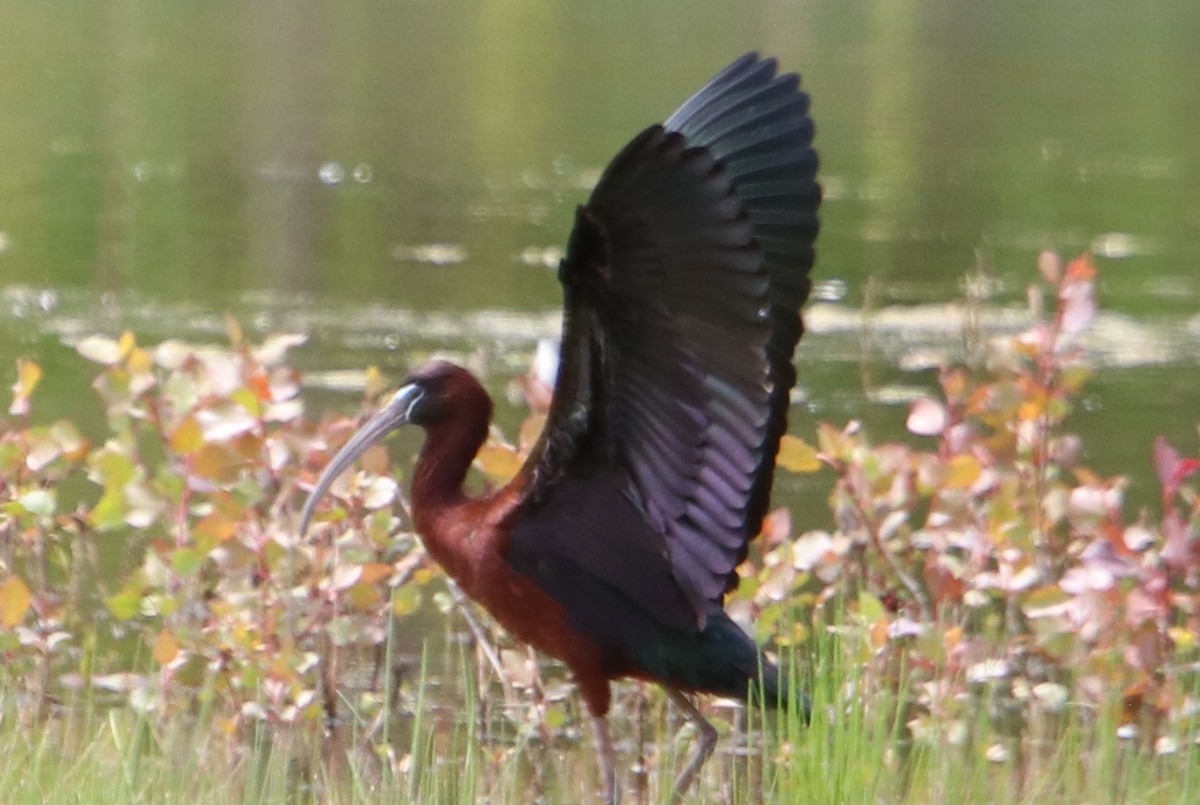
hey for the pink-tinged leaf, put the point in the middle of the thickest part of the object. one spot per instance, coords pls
(1146, 603)
(100, 349)
(1166, 458)
(172, 354)
(284, 384)
(1139, 538)
(545, 363)
(225, 422)
(927, 418)
(1087, 502)
(776, 526)
(1077, 303)
(1025, 579)
(1051, 696)
(811, 549)
(41, 453)
(1147, 648)
(284, 411)
(1079, 580)
(989, 670)
(1177, 547)
(1106, 554)
(1050, 264)
(274, 348)
(905, 627)
(19, 406)
(1065, 450)
(959, 437)
(346, 576)
(892, 524)
(1172, 470)
(379, 492)
(278, 454)
(117, 683)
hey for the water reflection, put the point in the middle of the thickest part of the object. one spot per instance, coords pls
(399, 179)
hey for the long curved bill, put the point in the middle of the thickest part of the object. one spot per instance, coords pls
(396, 413)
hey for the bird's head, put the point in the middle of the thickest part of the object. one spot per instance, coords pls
(425, 398)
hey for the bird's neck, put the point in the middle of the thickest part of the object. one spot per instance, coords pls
(444, 461)
(440, 506)
(450, 446)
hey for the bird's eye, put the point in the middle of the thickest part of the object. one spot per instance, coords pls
(417, 397)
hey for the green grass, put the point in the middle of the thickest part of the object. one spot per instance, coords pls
(856, 750)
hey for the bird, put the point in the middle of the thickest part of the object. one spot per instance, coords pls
(613, 547)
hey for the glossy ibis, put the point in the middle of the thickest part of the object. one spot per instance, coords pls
(613, 547)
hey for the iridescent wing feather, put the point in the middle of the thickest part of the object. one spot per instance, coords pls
(683, 281)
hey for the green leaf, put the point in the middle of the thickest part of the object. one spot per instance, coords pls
(181, 392)
(111, 467)
(109, 512)
(11, 457)
(67, 435)
(246, 398)
(39, 501)
(406, 600)
(343, 630)
(125, 604)
(870, 608)
(187, 561)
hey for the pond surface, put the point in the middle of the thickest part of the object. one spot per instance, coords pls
(396, 178)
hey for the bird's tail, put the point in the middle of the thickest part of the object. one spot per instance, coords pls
(779, 690)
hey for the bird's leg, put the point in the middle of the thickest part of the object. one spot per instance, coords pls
(706, 741)
(608, 759)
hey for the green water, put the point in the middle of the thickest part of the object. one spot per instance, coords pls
(386, 176)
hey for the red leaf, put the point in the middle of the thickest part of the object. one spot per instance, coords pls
(1172, 470)
(1185, 469)
(1081, 269)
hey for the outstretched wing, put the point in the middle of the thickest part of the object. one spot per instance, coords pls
(683, 281)
(758, 126)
